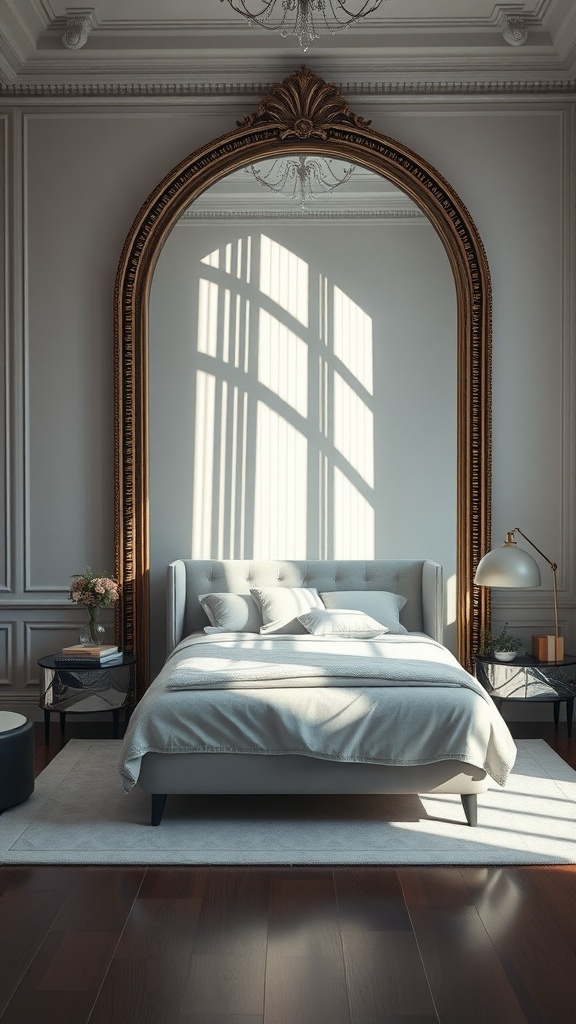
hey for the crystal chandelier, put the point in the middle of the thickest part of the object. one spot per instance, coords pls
(305, 19)
(302, 178)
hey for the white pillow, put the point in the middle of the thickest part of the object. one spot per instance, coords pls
(231, 613)
(345, 622)
(382, 605)
(281, 606)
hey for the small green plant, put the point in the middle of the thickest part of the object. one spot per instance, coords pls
(502, 641)
(505, 641)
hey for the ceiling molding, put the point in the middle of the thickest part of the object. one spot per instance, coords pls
(204, 72)
(210, 76)
(199, 44)
(174, 91)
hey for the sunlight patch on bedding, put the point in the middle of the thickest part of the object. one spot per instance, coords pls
(353, 707)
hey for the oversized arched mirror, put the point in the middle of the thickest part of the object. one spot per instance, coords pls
(292, 303)
(303, 362)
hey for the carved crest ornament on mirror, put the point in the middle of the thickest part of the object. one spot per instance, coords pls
(301, 115)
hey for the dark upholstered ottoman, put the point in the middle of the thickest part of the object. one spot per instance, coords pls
(16, 759)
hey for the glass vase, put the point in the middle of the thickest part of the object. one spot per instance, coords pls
(92, 633)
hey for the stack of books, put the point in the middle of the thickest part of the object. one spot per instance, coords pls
(80, 655)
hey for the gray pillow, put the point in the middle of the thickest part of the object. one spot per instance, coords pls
(281, 606)
(232, 613)
(382, 605)
(343, 622)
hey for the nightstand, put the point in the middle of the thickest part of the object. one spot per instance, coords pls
(527, 679)
(93, 690)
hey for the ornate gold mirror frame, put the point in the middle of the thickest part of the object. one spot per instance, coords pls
(303, 114)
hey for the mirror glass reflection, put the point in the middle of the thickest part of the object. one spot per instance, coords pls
(302, 392)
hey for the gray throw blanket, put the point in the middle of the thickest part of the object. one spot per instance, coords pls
(249, 661)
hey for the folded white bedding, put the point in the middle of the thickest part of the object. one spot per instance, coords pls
(398, 700)
(238, 661)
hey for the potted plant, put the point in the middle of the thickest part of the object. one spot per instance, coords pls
(504, 646)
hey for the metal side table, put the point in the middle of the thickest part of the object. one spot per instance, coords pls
(84, 691)
(527, 679)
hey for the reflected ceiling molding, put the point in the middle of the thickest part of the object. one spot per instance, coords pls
(193, 216)
(352, 193)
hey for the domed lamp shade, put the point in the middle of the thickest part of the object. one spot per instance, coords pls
(508, 566)
(511, 566)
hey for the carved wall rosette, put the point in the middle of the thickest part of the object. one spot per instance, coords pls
(79, 24)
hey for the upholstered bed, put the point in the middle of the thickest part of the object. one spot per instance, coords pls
(281, 679)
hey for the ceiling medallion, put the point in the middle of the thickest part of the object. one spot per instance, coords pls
(305, 19)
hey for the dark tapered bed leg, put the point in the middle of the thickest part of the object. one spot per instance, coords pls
(157, 809)
(470, 805)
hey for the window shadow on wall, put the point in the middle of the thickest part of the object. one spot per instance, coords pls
(283, 410)
(302, 396)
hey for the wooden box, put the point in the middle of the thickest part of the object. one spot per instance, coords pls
(548, 648)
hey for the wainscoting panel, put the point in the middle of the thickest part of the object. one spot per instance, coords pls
(5, 658)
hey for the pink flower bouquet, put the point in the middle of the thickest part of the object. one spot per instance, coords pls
(93, 592)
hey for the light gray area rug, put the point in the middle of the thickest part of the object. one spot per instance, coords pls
(79, 814)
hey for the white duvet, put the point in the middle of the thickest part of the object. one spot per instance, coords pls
(398, 700)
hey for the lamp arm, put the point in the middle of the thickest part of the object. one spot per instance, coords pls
(552, 565)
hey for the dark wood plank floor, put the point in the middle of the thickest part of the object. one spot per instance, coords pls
(130, 945)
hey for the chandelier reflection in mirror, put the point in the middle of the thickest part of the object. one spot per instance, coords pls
(302, 178)
(305, 19)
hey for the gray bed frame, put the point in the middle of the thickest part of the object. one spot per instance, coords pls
(420, 581)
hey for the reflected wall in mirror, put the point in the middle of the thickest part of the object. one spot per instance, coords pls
(302, 368)
(297, 386)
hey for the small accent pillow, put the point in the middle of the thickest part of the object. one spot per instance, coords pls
(382, 605)
(344, 622)
(281, 606)
(231, 613)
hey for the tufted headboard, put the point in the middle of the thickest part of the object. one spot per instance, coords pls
(420, 581)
